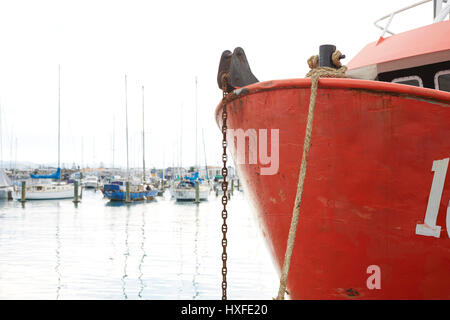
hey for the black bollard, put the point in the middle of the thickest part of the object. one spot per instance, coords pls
(325, 53)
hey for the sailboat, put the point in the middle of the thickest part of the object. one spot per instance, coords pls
(184, 190)
(116, 190)
(55, 189)
(6, 187)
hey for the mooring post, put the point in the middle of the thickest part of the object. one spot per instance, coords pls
(81, 185)
(197, 192)
(232, 186)
(128, 198)
(75, 192)
(24, 186)
(238, 185)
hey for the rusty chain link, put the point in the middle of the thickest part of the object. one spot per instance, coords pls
(224, 189)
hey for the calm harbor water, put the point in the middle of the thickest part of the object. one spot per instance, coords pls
(154, 250)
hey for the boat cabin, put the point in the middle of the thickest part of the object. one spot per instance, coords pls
(419, 57)
(186, 184)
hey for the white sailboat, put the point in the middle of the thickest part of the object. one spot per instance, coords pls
(47, 191)
(6, 187)
(55, 189)
(184, 190)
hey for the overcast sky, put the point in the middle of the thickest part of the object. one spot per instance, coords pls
(162, 45)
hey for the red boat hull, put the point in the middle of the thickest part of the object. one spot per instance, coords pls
(367, 185)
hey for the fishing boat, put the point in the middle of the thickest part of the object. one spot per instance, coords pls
(374, 219)
(6, 187)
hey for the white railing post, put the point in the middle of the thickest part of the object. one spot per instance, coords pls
(391, 16)
(442, 13)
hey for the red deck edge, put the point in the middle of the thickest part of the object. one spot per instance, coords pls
(339, 83)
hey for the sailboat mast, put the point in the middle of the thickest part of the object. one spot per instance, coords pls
(1, 139)
(204, 151)
(143, 135)
(196, 130)
(15, 160)
(126, 119)
(11, 148)
(59, 119)
(82, 153)
(164, 161)
(113, 141)
(93, 152)
(181, 140)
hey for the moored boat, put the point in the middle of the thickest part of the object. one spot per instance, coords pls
(46, 187)
(56, 189)
(6, 187)
(376, 193)
(116, 191)
(90, 182)
(47, 191)
(184, 190)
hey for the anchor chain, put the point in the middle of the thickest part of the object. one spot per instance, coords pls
(224, 189)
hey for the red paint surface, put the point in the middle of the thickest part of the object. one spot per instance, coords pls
(404, 45)
(367, 185)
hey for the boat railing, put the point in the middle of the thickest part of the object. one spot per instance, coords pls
(440, 12)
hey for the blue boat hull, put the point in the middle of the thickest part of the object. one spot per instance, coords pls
(116, 195)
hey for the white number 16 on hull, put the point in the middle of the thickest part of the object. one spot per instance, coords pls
(429, 227)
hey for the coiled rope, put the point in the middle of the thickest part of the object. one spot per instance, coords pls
(315, 73)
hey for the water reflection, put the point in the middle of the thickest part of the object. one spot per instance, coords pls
(141, 262)
(194, 279)
(112, 231)
(58, 255)
(51, 250)
(179, 237)
(126, 254)
(109, 203)
(119, 204)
